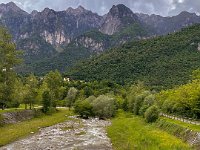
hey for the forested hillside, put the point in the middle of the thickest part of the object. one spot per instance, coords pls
(163, 61)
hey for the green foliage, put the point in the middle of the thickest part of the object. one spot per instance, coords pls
(133, 92)
(183, 100)
(91, 99)
(83, 108)
(71, 96)
(31, 87)
(46, 101)
(130, 33)
(148, 102)
(8, 60)
(139, 100)
(104, 106)
(61, 61)
(151, 114)
(154, 61)
(54, 83)
(88, 91)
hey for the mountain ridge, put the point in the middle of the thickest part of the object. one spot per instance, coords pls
(164, 61)
(49, 33)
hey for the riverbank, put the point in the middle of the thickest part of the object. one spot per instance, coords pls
(131, 132)
(75, 133)
(13, 132)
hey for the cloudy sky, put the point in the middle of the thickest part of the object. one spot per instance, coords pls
(161, 7)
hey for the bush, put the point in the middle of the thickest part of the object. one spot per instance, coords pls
(83, 108)
(104, 107)
(139, 100)
(148, 102)
(151, 114)
(91, 99)
(51, 111)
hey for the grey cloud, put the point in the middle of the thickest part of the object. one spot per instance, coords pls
(188, 5)
(161, 7)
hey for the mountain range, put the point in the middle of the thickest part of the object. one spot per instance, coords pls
(58, 39)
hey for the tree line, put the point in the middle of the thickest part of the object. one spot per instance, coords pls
(90, 99)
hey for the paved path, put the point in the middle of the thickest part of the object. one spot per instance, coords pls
(75, 134)
(182, 119)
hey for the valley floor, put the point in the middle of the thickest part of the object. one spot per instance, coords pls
(73, 134)
(125, 131)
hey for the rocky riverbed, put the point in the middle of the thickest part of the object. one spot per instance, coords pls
(74, 134)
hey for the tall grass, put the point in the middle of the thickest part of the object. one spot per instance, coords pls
(129, 132)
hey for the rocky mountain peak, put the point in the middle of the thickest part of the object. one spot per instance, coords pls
(118, 17)
(77, 11)
(48, 11)
(186, 14)
(81, 8)
(121, 11)
(34, 12)
(11, 7)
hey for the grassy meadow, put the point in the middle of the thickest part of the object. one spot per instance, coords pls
(129, 132)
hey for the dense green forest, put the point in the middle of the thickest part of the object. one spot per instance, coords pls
(108, 99)
(162, 62)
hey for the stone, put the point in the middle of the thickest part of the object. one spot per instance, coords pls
(198, 47)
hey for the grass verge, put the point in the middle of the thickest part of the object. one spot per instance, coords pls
(129, 132)
(14, 132)
(182, 124)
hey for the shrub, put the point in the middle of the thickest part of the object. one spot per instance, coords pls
(104, 107)
(91, 99)
(138, 104)
(151, 114)
(148, 102)
(83, 108)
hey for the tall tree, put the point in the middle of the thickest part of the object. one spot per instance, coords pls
(54, 83)
(8, 59)
(71, 97)
(32, 91)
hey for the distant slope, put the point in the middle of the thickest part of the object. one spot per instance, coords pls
(162, 61)
(89, 44)
(61, 61)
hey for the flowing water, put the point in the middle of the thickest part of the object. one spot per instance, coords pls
(74, 134)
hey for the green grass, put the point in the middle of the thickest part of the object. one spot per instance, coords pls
(10, 110)
(14, 132)
(21, 107)
(182, 124)
(129, 132)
